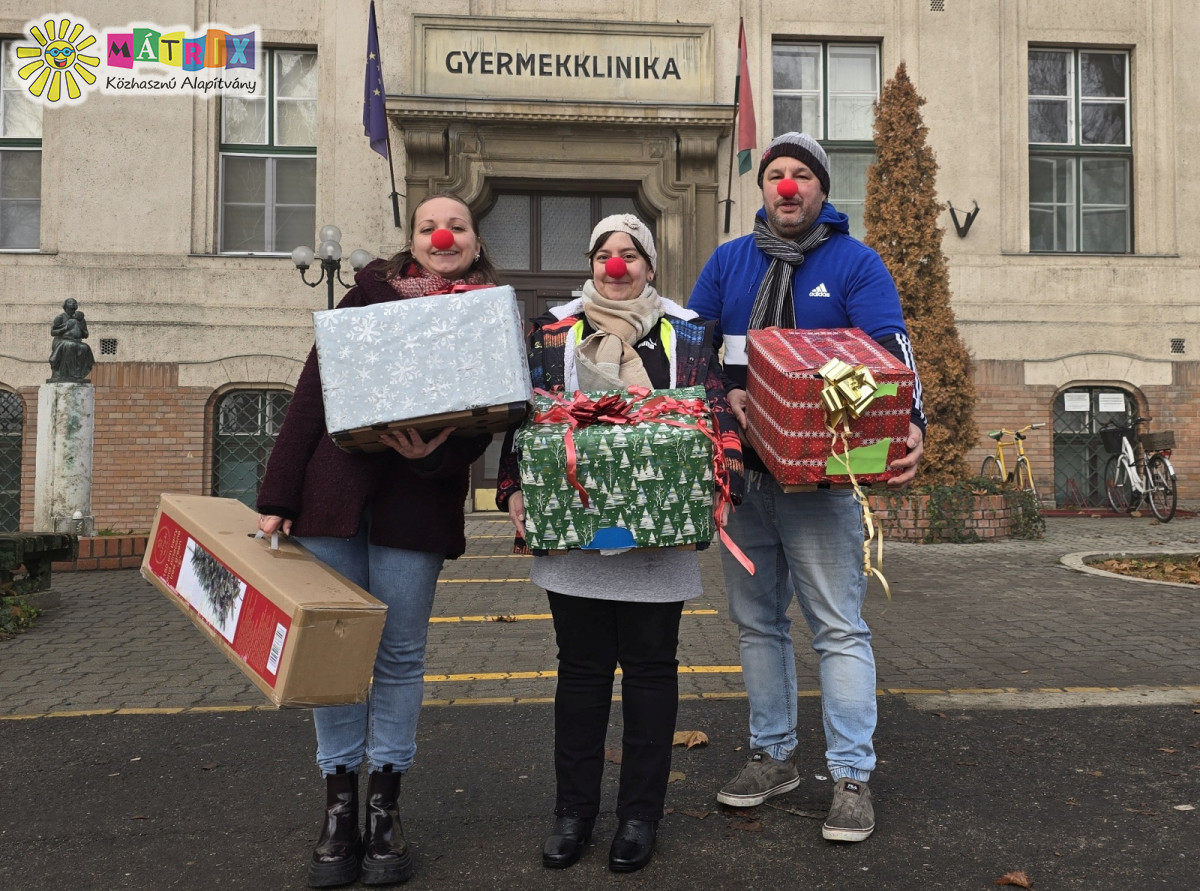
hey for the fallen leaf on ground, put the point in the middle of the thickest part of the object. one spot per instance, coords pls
(504, 618)
(1168, 751)
(690, 738)
(1185, 807)
(747, 825)
(699, 815)
(1016, 877)
(612, 756)
(213, 766)
(675, 776)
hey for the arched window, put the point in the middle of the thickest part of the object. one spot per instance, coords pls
(12, 420)
(245, 425)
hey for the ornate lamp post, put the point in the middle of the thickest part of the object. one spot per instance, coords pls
(329, 252)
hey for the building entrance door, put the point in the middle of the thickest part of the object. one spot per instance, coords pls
(538, 237)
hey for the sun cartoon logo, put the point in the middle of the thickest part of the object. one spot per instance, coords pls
(58, 64)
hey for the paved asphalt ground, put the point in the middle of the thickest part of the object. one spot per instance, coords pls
(1033, 717)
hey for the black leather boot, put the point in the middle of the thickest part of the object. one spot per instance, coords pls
(387, 859)
(633, 845)
(335, 858)
(566, 841)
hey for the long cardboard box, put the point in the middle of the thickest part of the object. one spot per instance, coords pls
(300, 631)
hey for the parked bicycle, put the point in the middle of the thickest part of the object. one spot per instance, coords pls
(995, 467)
(1139, 472)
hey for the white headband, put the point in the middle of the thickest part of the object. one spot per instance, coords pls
(631, 225)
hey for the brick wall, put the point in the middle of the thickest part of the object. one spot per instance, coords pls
(906, 518)
(106, 552)
(149, 439)
(1003, 400)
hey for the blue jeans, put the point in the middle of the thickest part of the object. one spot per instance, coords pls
(384, 728)
(807, 545)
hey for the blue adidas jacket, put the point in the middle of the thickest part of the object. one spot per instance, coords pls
(841, 284)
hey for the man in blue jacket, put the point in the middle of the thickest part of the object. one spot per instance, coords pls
(802, 269)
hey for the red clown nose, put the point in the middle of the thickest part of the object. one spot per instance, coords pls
(614, 267)
(442, 239)
(787, 188)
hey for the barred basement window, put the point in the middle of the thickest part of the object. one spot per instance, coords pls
(937, 5)
(12, 421)
(246, 423)
(108, 346)
(1177, 345)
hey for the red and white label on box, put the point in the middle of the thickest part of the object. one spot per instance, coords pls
(254, 627)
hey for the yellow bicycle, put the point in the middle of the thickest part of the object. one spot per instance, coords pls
(994, 466)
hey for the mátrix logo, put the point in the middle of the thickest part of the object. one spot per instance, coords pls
(139, 59)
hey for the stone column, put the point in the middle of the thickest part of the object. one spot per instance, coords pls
(62, 500)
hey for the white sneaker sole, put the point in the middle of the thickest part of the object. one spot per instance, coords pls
(755, 800)
(833, 833)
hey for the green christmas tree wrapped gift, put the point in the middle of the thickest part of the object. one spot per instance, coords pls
(618, 470)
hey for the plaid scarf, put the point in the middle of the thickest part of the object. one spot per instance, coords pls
(416, 281)
(773, 305)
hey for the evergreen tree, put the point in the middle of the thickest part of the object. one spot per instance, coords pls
(901, 217)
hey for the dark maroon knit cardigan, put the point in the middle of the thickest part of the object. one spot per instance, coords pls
(324, 491)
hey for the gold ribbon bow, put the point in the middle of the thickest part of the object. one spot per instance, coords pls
(848, 390)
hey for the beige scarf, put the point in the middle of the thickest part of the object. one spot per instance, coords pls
(606, 360)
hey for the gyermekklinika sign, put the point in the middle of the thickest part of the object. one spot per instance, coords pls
(498, 58)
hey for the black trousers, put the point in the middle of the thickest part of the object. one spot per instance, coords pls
(593, 637)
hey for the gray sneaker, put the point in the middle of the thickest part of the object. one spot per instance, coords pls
(851, 819)
(763, 777)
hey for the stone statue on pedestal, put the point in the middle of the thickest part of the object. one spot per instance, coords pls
(71, 359)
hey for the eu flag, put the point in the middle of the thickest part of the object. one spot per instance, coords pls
(374, 117)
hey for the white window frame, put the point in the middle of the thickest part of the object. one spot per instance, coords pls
(11, 144)
(272, 151)
(1071, 156)
(835, 144)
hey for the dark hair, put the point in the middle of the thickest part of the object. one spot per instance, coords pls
(603, 240)
(483, 268)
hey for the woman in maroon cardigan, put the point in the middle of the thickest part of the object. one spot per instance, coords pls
(386, 521)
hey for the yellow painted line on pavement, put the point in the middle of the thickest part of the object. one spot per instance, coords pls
(534, 675)
(479, 581)
(150, 711)
(83, 713)
(529, 617)
(1139, 692)
(206, 709)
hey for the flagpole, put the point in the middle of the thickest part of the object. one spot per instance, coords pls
(392, 170)
(733, 137)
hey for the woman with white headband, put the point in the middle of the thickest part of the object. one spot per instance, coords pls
(625, 608)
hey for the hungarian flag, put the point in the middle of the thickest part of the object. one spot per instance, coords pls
(744, 100)
(374, 117)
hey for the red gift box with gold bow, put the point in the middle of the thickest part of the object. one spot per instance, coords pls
(802, 383)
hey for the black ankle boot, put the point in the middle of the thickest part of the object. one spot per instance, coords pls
(335, 858)
(387, 859)
(633, 845)
(566, 841)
